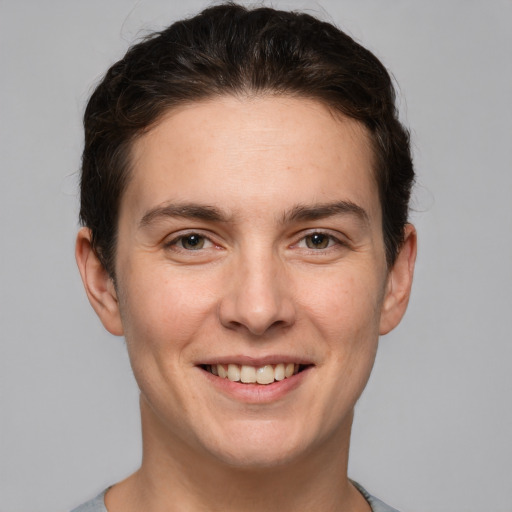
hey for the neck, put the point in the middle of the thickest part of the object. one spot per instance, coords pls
(174, 477)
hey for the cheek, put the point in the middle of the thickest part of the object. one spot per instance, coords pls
(162, 318)
(345, 314)
(344, 306)
(163, 313)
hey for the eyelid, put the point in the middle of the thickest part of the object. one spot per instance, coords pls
(338, 238)
(173, 239)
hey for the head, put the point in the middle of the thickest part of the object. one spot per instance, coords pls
(244, 191)
(233, 51)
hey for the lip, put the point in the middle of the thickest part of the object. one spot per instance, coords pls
(256, 361)
(256, 393)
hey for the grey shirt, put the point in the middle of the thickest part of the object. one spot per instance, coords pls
(98, 504)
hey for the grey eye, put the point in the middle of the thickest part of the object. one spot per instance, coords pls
(317, 241)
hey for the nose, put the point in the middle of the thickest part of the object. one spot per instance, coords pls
(258, 298)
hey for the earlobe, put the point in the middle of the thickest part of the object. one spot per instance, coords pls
(398, 288)
(98, 284)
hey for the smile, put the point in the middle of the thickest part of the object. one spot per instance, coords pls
(266, 374)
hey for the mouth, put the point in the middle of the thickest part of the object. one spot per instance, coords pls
(263, 375)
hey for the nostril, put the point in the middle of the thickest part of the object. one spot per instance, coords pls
(255, 327)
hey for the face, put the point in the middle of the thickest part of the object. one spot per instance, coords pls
(250, 249)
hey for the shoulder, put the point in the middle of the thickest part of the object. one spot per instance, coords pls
(95, 505)
(376, 504)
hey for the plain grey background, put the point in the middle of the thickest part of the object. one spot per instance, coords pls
(433, 429)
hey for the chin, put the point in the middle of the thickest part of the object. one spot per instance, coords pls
(260, 445)
(257, 458)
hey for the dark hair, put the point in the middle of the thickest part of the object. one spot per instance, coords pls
(229, 49)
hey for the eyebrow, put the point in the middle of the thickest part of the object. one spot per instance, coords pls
(187, 211)
(298, 213)
(324, 210)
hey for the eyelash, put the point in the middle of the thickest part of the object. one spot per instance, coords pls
(331, 240)
(181, 238)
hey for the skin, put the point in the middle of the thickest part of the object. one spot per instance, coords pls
(254, 288)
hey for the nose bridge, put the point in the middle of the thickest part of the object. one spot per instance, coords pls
(258, 297)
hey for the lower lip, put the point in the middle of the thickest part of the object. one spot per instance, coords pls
(257, 393)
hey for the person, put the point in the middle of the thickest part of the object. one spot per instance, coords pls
(244, 201)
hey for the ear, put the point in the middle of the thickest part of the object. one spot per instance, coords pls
(398, 287)
(98, 285)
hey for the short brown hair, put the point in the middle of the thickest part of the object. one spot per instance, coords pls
(230, 49)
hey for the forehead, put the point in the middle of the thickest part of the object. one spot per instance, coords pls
(252, 153)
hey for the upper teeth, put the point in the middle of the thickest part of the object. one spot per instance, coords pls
(252, 374)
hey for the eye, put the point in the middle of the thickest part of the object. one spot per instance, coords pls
(318, 241)
(192, 242)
